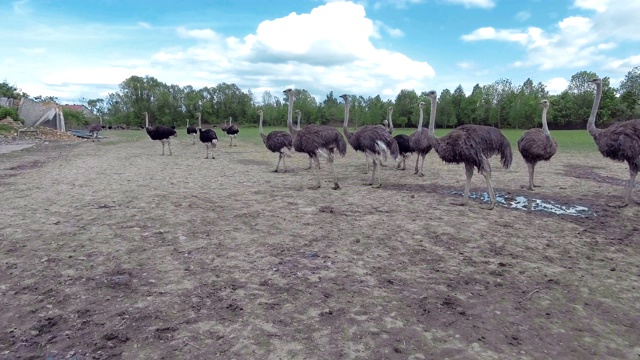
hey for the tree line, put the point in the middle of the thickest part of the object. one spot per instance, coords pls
(501, 104)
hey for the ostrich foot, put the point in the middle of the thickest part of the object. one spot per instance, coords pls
(421, 174)
(314, 187)
(336, 186)
(459, 203)
(487, 207)
(534, 185)
(275, 171)
(618, 205)
(376, 186)
(368, 183)
(527, 187)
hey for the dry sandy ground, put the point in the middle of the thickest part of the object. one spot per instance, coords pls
(109, 250)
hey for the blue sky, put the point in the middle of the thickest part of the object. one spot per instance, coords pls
(75, 49)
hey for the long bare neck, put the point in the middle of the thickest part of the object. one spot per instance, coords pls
(591, 124)
(146, 119)
(200, 120)
(421, 120)
(545, 127)
(390, 121)
(293, 131)
(187, 122)
(432, 116)
(262, 135)
(299, 116)
(345, 125)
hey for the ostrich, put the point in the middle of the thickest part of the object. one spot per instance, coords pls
(162, 133)
(94, 130)
(537, 145)
(299, 115)
(620, 142)
(420, 142)
(374, 140)
(209, 138)
(315, 141)
(277, 142)
(193, 131)
(232, 131)
(471, 145)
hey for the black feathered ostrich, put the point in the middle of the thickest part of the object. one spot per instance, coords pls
(537, 145)
(162, 133)
(209, 138)
(277, 142)
(619, 142)
(374, 140)
(232, 131)
(404, 143)
(94, 130)
(471, 145)
(315, 141)
(299, 115)
(420, 140)
(193, 131)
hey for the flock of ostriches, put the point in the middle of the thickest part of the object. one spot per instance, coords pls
(471, 145)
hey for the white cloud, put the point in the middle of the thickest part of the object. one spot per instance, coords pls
(144, 25)
(485, 4)
(396, 33)
(523, 16)
(200, 34)
(489, 33)
(623, 64)
(400, 4)
(597, 5)
(556, 85)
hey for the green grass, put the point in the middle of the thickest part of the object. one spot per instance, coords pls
(6, 130)
(568, 140)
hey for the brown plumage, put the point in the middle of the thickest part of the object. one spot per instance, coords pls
(420, 140)
(471, 145)
(95, 130)
(299, 115)
(619, 142)
(374, 140)
(537, 145)
(316, 141)
(277, 142)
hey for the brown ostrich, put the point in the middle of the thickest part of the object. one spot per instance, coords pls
(315, 141)
(299, 115)
(537, 145)
(94, 130)
(374, 140)
(471, 145)
(277, 142)
(619, 142)
(420, 140)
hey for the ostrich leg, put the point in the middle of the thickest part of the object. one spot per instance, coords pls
(421, 174)
(417, 159)
(530, 168)
(193, 138)
(284, 161)
(310, 163)
(468, 169)
(366, 160)
(630, 185)
(317, 171)
(336, 186)
(162, 141)
(278, 166)
(379, 184)
(169, 146)
(212, 157)
(373, 172)
(206, 146)
(492, 194)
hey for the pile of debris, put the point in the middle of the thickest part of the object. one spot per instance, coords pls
(49, 134)
(9, 121)
(39, 133)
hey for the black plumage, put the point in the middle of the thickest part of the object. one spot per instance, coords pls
(209, 138)
(421, 141)
(161, 133)
(193, 131)
(276, 141)
(232, 131)
(620, 142)
(537, 145)
(404, 149)
(471, 145)
(315, 141)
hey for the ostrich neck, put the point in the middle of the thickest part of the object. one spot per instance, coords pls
(345, 126)
(432, 116)
(293, 131)
(545, 127)
(262, 135)
(591, 124)
(421, 120)
(199, 120)
(146, 119)
(299, 116)
(390, 122)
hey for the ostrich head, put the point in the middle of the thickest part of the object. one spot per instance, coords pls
(544, 103)
(432, 94)
(421, 105)
(289, 92)
(385, 122)
(260, 112)
(596, 81)
(345, 97)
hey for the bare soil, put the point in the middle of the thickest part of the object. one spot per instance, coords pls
(109, 250)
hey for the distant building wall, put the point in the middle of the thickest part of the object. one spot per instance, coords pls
(32, 111)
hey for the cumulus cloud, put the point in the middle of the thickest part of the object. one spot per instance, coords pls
(597, 5)
(400, 4)
(301, 50)
(484, 4)
(556, 85)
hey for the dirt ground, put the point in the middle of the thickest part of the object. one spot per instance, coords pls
(109, 250)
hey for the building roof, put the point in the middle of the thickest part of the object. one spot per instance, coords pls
(76, 107)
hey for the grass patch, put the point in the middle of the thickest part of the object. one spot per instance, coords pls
(568, 140)
(6, 130)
